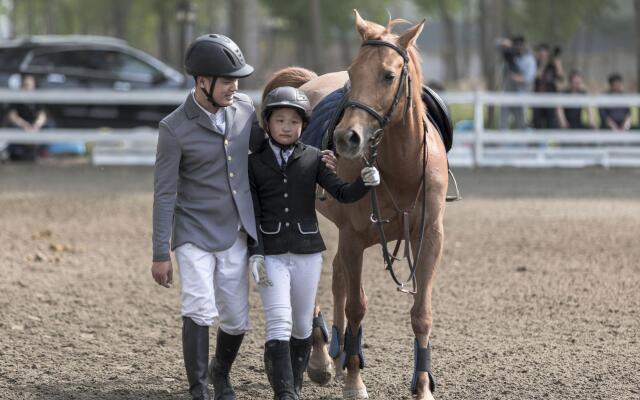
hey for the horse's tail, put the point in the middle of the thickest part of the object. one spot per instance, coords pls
(290, 76)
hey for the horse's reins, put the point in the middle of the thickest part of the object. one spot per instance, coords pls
(371, 159)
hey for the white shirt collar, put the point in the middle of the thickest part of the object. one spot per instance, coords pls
(217, 118)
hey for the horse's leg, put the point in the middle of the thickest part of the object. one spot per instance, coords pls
(349, 259)
(322, 361)
(421, 313)
(320, 367)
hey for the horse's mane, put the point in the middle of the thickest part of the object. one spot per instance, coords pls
(290, 76)
(378, 32)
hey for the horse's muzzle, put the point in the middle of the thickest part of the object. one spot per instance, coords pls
(348, 142)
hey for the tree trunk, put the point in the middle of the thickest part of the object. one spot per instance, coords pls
(244, 31)
(30, 18)
(51, 17)
(317, 53)
(185, 17)
(164, 37)
(451, 46)
(637, 12)
(120, 14)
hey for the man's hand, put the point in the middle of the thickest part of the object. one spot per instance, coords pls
(329, 159)
(162, 272)
(259, 271)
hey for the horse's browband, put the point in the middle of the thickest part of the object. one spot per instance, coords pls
(375, 42)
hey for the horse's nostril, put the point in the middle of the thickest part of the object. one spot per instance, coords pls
(353, 137)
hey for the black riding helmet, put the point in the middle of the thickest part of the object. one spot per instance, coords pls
(215, 55)
(286, 97)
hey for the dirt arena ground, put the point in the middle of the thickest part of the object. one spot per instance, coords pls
(538, 295)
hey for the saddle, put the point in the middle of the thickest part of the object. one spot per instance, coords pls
(328, 112)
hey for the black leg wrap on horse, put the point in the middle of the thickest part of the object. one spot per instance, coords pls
(353, 346)
(334, 345)
(422, 363)
(318, 322)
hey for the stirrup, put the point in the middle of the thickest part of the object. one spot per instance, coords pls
(353, 347)
(457, 196)
(422, 363)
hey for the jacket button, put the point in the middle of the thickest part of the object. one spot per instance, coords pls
(286, 224)
(226, 142)
(235, 192)
(286, 209)
(286, 195)
(284, 180)
(229, 158)
(231, 174)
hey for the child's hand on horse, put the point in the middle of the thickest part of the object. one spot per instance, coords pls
(329, 159)
(370, 176)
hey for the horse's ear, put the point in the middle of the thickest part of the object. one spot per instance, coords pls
(361, 25)
(409, 37)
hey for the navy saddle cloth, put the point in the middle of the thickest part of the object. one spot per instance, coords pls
(324, 112)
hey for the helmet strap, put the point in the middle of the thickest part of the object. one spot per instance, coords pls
(209, 94)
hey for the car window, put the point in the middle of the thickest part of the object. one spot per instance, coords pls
(10, 58)
(105, 62)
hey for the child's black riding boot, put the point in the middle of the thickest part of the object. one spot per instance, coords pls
(277, 364)
(300, 350)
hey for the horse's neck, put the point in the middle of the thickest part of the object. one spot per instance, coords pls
(401, 151)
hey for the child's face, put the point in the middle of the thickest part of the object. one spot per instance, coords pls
(285, 125)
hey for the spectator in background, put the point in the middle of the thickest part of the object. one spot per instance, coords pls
(549, 76)
(571, 117)
(519, 74)
(29, 117)
(615, 118)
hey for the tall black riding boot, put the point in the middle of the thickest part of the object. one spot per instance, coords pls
(300, 351)
(226, 350)
(195, 350)
(277, 362)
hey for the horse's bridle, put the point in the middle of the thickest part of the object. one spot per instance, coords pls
(370, 160)
(383, 120)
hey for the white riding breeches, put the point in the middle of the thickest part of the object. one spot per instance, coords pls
(288, 304)
(216, 285)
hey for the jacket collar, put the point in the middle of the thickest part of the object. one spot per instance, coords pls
(194, 112)
(268, 158)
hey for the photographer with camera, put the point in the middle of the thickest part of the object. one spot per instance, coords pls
(519, 74)
(549, 76)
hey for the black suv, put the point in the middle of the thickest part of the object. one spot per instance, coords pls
(91, 62)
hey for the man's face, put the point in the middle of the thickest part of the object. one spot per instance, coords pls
(616, 86)
(28, 82)
(223, 90)
(576, 82)
(285, 125)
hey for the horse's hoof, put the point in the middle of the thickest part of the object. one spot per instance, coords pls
(355, 394)
(426, 396)
(322, 374)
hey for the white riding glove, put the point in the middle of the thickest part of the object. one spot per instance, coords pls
(259, 271)
(370, 176)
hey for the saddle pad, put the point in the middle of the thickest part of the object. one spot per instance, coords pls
(320, 118)
(324, 111)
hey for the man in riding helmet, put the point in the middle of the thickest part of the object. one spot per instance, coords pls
(287, 261)
(202, 209)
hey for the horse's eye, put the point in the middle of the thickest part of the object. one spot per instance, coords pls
(389, 76)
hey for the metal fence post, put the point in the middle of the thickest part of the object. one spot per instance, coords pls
(478, 128)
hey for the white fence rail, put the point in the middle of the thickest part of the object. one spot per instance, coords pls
(477, 147)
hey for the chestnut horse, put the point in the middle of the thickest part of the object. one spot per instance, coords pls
(384, 108)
